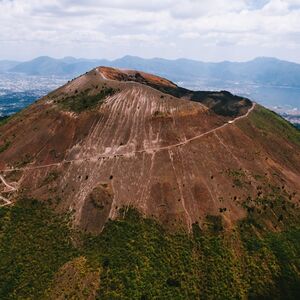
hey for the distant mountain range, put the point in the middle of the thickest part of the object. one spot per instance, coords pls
(262, 70)
(7, 65)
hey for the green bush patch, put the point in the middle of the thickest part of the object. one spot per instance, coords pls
(5, 146)
(80, 102)
(4, 120)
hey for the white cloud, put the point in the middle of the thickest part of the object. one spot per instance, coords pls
(276, 7)
(194, 8)
(168, 28)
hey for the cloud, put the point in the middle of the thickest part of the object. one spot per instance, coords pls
(168, 28)
(194, 8)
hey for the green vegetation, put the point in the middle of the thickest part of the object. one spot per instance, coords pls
(51, 176)
(75, 280)
(34, 243)
(237, 175)
(6, 119)
(80, 102)
(140, 260)
(25, 159)
(273, 261)
(271, 123)
(3, 120)
(5, 146)
(136, 258)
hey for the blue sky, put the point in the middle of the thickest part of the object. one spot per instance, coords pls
(257, 4)
(209, 30)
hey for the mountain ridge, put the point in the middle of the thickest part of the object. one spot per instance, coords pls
(261, 70)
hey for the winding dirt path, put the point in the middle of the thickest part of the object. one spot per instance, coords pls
(11, 189)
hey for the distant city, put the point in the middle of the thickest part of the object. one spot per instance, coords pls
(17, 91)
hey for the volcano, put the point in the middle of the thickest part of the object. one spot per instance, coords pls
(115, 140)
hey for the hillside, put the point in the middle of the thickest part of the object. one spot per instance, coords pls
(123, 185)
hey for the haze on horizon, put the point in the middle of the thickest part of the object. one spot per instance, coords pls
(209, 30)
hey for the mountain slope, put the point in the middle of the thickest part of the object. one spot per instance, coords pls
(169, 189)
(45, 65)
(6, 65)
(158, 146)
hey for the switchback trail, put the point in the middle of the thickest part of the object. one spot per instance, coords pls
(11, 189)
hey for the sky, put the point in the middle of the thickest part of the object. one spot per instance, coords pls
(207, 30)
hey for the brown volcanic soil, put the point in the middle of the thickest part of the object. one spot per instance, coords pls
(146, 144)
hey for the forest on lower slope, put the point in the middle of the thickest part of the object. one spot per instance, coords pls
(43, 257)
